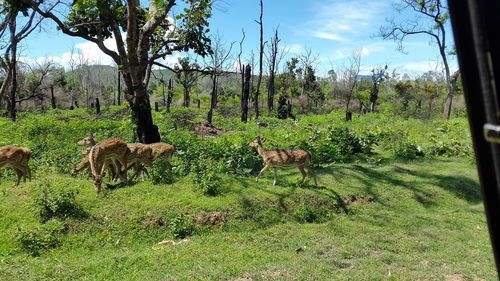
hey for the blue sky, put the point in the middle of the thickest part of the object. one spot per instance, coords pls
(331, 28)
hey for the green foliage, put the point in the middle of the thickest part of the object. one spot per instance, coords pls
(161, 171)
(205, 176)
(36, 239)
(308, 213)
(56, 202)
(407, 150)
(180, 225)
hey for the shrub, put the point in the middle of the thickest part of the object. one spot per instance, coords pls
(449, 148)
(307, 213)
(205, 176)
(161, 171)
(407, 150)
(180, 225)
(50, 202)
(41, 237)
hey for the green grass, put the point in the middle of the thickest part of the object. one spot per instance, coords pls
(375, 215)
(419, 220)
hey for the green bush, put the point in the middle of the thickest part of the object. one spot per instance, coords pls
(51, 202)
(180, 225)
(407, 150)
(449, 148)
(161, 171)
(307, 213)
(41, 237)
(205, 176)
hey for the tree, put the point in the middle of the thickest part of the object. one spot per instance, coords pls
(350, 78)
(379, 74)
(405, 92)
(431, 16)
(150, 35)
(217, 66)
(274, 57)
(186, 74)
(261, 54)
(11, 10)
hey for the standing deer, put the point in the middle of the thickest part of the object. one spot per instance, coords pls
(275, 158)
(17, 158)
(106, 152)
(89, 142)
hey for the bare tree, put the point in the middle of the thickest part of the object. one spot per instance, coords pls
(217, 66)
(430, 18)
(350, 75)
(308, 60)
(8, 62)
(261, 54)
(274, 57)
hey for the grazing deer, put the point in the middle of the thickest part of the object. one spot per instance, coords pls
(89, 142)
(139, 155)
(106, 152)
(17, 158)
(163, 149)
(275, 158)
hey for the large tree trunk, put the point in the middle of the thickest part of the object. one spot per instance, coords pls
(261, 54)
(244, 95)
(118, 94)
(146, 131)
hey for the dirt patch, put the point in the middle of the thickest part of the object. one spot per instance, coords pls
(151, 221)
(357, 199)
(211, 218)
(205, 129)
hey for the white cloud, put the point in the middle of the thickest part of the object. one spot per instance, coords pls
(338, 20)
(294, 48)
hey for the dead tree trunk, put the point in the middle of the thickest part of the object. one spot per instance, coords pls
(97, 106)
(52, 97)
(452, 89)
(13, 69)
(261, 54)
(246, 92)
(213, 100)
(169, 94)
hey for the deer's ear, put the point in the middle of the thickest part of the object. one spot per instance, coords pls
(262, 139)
(93, 135)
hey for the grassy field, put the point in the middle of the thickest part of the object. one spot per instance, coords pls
(372, 217)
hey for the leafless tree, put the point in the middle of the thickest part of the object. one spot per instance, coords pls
(349, 76)
(430, 18)
(274, 56)
(261, 54)
(217, 65)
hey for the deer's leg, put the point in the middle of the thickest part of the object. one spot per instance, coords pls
(19, 175)
(301, 168)
(275, 175)
(311, 169)
(122, 166)
(28, 171)
(262, 171)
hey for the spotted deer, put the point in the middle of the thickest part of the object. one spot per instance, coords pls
(103, 154)
(277, 158)
(17, 158)
(138, 156)
(89, 142)
(163, 150)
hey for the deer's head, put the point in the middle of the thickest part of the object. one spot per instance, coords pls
(257, 142)
(88, 140)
